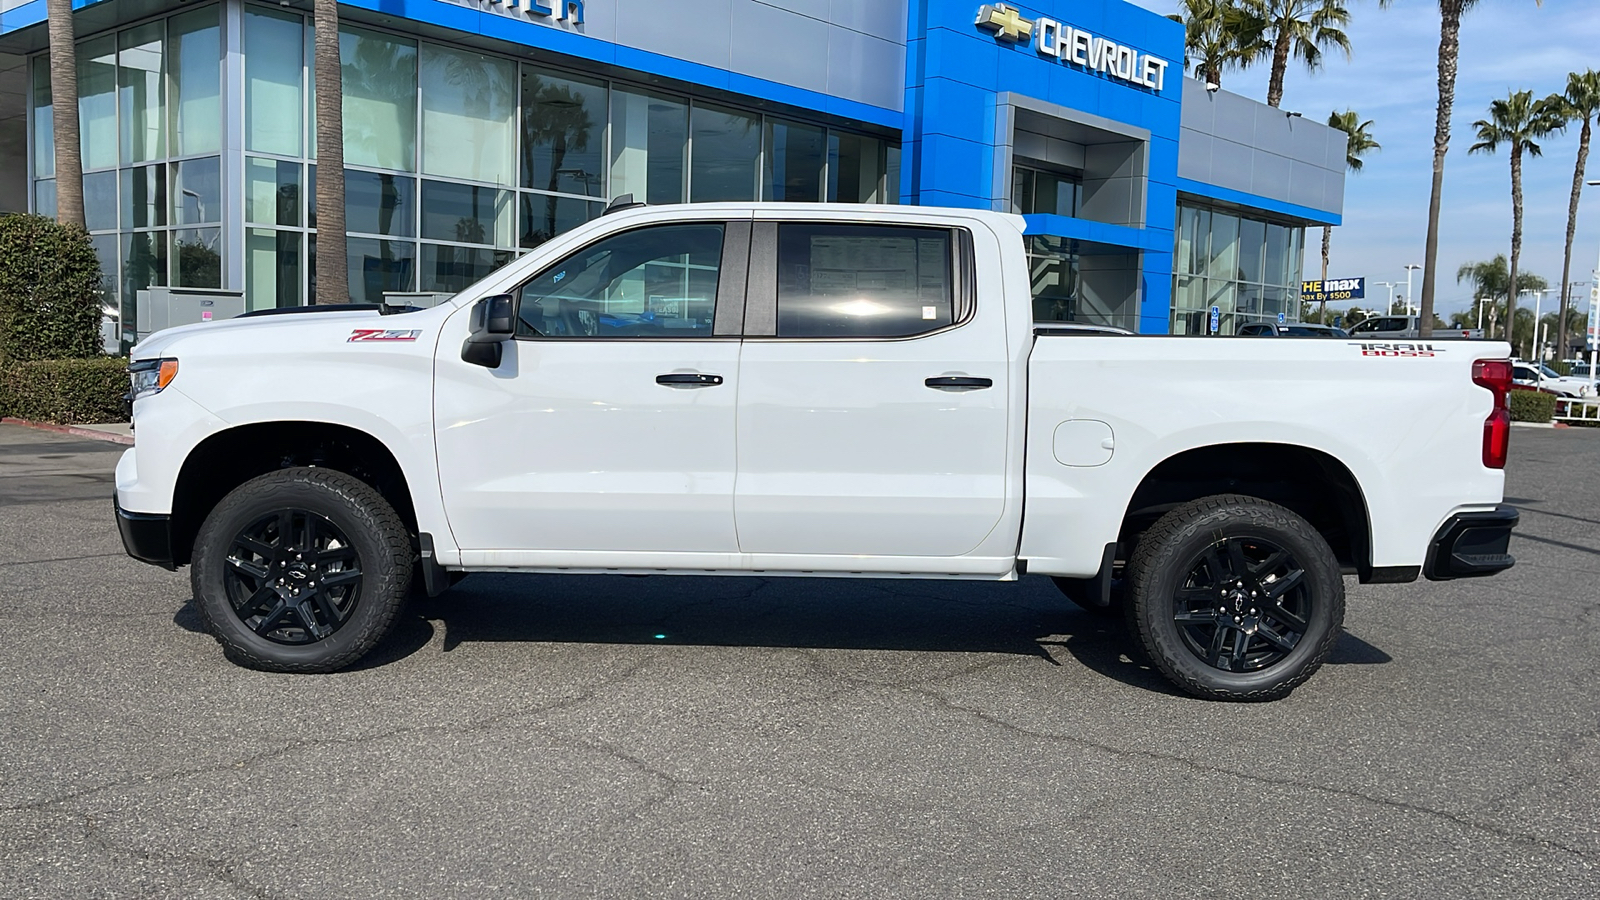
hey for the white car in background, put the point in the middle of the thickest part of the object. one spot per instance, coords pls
(1539, 375)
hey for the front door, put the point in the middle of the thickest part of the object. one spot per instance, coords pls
(872, 396)
(609, 425)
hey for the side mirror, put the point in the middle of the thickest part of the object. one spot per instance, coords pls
(493, 323)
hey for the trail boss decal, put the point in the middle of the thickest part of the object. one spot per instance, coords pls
(1398, 349)
(384, 334)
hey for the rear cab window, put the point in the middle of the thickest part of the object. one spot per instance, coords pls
(857, 280)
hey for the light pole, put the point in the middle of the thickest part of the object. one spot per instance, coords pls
(1409, 268)
(1538, 301)
(1481, 302)
(1387, 310)
(1590, 334)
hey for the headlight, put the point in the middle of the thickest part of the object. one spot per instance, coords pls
(150, 376)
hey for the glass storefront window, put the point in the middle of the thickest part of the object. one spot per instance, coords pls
(379, 75)
(100, 201)
(197, 191)
(272, 272)
(44, 198)
(855, 169)
(793, 158)
(563, 133)
(194, 54)
(378, 266)
(377, 203)
(97, 102)
(466, 214)
(144, 264)
(469, 106)
(726, 146)
(44, 145)
(1037, 191)
(141, 89)
(271, 191)
(543, 216)
(451, 269)
(1252, 239)
(197, 258)
(649, 146)
(272, 74)
(144, 197)
(1224, 245)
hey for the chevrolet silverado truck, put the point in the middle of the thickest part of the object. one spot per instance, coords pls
(805, 390)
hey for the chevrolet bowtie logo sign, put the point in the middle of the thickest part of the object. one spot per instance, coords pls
(1073, 46)
(1006, 24)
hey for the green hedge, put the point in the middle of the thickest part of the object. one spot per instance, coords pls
(1532, 406)
(65, 391)
(50, 290)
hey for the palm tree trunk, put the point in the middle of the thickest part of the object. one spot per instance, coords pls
(1572, 230)
(1516, 241)
(64, 113)
(1280, 65)
(1449, 57)
(333, 271)
(1327, 243)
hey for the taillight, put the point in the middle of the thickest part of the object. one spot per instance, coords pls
(1495, 374)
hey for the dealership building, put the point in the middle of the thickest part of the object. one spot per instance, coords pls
(475, 130)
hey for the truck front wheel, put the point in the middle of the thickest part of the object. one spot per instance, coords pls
(301, 570)
(1235, 598)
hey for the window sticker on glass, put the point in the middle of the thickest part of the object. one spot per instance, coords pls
(862, 280)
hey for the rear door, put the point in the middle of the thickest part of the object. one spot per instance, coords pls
(872, 393)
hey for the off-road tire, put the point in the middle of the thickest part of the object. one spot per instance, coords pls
(1162, 565)
(379, 538)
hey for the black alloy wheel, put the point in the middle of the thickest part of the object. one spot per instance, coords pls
(1244, 605)
(304, 569)
(293, 577)
(1235, 598)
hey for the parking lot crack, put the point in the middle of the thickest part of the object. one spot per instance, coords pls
(1258, 778)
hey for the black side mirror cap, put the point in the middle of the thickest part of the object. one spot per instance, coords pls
(494, 321)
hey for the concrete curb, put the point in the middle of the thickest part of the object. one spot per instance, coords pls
(74, 430)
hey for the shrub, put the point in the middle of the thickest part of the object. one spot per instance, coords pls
(49, 290)
(65, 391)
(1532, 406)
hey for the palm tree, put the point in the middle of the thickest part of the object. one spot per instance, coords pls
(1359, 143)
(1518, 121)
(64, 112)
(1218, 35)
(333, 269)
(1489, 279)
(1449, 58)
(1300, 29)
(1580, 103)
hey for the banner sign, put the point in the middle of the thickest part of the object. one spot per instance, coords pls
(1333, 290)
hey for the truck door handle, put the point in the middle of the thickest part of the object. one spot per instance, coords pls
(692, 379)
(958, 383)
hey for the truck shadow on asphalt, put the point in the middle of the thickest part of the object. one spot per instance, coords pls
(1028, 618)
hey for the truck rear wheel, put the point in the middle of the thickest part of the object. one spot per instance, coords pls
(301, 570)
(1235, 598)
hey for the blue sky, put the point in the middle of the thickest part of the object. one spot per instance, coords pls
(1391, 79)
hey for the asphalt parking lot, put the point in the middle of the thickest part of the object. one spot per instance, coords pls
(709, 737)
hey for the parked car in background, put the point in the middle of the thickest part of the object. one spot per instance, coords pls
(1406, 327)
(1545, 378)
(1296, 329)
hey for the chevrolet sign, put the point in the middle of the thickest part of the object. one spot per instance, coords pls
(1074, 46)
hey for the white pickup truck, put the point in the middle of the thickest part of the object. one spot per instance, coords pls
(805, 390)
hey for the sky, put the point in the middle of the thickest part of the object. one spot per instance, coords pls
(1392, 79)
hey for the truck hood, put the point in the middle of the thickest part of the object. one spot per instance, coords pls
(162, 343)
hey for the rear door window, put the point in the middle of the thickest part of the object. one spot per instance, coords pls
(857, 280)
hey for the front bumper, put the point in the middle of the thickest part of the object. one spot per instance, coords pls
(1472, 545)
(146, 536)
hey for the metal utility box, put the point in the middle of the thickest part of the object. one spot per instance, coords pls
(161, 308)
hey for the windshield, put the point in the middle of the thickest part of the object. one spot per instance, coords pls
(1548, 372)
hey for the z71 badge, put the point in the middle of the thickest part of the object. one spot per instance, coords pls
(1398, 349)
(384, 334)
